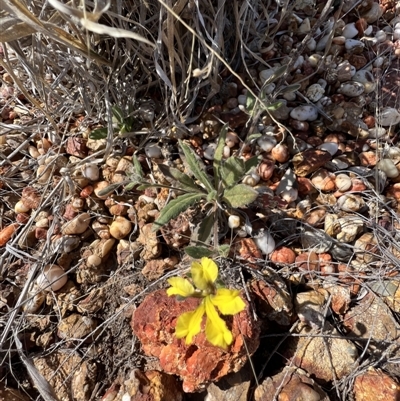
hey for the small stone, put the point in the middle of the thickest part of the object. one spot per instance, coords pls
(366, 78)
(315, 92)
(350, 227)
(372, 15)
(330, 147)
(153, 151)
(388, 116)
(368, 158)
(283, 255)
(350, 203)
(76, 146)
(120, 227)
(78, 225)
(353, 45)
(304, 113)
(309, 161)
(351, 89)
(310, 307)
(316, 240)
(76, 326)
(343, 182)
(323, 180)
(388, 167)
(350, 31)
(265, 242)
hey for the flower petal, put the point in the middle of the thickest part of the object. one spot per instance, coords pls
(217, 332)
(228, 302)
(189, 324)
(204, 274)
(180, 286)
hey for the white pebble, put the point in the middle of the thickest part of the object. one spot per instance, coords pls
(322, 43)
(352, 44)
(314, 60)
(388, 167)
(266, 143)
(351, 89)
(340, 164)
(233, 221)
(350, 31)
(366, 78)
(289, 96)
(315, 92)
(91, 171)
(380, 36)
(304, 113)
(311, 44)
(153, 151)
(378, 62)
(343, 182)
(251, 179)
(265, 243)
(209, 151)
(388, 117)
(376, 132)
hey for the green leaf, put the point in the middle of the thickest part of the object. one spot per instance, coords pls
(197, 252)
(130, 186)
(137, 166)
(110, 189)
(212, 196)
(250, 101)
(175, 207)
(240, 195)
(290, 88)
(251, 164)
(232, 171)
(219, 152)
(195, 166)
(118, 114)
(274, 106)
(276, 75)
(186, 182)
(205, 229)
(223, 250)
(253, 137)
(99, 133)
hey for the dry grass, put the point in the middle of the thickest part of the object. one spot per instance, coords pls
(164, 57)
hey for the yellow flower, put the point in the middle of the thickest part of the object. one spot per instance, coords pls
(228, 302)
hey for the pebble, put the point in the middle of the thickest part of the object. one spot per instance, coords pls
(350, 31)
(266, 143)
(354, 45)
(343, 182)
(388, 116)
(350, 227)
(376, 132)
(209, 151)
(351, 89)
(316, 239)
(77, 225)
(304, 113)
(265, 243)
(350, 203)
(388, 167)
(366, 78)
(373, 14)
(315, 92)
(153, 151)
(330, 147)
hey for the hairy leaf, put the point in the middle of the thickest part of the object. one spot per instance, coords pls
(184, 180)
(240, 195)
(219, 152)
(117, 114)
(274, 106)
(276, 75)
(250, 164)
(99, 133)
(232, 171)
(290, 88)
(195, 166)
(137, 166)
(175, 207)
(205, 229)
(197, 252)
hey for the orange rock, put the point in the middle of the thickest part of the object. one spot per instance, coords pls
(368, 158)
(307, 261)
(247, 249)
(375, 385)
(305, 186)
(199, 363)
(7, 232)
(358, 185)
(324, 180)
(283, 255)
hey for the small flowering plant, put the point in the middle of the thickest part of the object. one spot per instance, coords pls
(204, 276)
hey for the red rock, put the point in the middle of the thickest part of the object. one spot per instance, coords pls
(305, 186)
(307, 261)
(368, 158)
(283, 255)
(273, 299)
(199, 363)
(375, 385)
(76, 147)
(247, 249)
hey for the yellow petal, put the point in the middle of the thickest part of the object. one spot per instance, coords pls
(180, 286)
(204, 274)
(228, 302)
(217, 332)
(189, 324)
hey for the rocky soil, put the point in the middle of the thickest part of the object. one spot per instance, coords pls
(84, 313)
